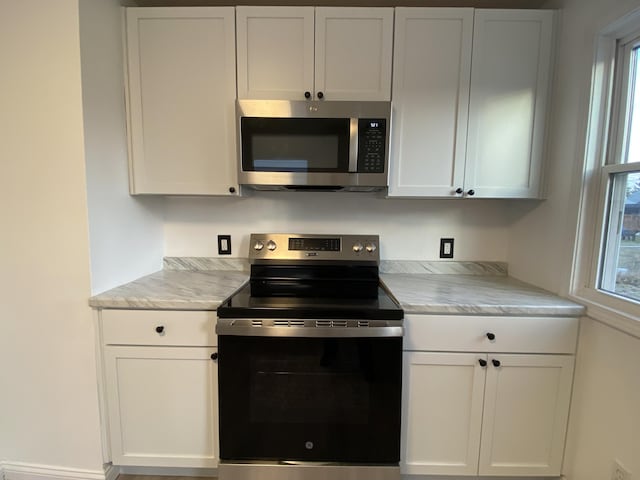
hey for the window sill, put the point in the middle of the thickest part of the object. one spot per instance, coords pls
(617, 313)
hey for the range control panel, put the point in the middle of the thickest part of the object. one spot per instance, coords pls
(297, 247)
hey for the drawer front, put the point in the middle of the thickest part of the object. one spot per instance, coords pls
(491, 334)
(159, 327)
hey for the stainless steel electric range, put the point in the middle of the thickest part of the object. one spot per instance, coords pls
(310, 363)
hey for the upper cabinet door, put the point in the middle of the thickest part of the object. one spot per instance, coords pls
(431, 71)
(509, 95)
(275, 52)
(353, 53)
(181, 100)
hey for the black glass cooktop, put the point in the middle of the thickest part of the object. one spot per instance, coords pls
(243, 305)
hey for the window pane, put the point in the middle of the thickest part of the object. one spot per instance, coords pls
(620, 271)
(633, 133)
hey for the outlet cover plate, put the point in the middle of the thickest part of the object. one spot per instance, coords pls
(224, 244)
(446, 248)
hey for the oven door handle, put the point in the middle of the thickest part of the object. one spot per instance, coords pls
(259, 328)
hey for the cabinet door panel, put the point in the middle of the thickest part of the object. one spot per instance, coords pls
(275, 52)
(525, 414)
(353, 53)
(181, 75)
(431, 73)
(442, 413)
(509, 84)
(162, 406)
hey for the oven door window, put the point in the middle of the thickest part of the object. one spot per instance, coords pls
(295, 144)
(308, 399)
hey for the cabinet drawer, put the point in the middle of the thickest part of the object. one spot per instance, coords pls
(510, 334)
(159, 327)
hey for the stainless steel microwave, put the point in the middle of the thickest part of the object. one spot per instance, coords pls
(313, 145)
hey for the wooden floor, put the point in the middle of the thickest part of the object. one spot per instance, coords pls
(160, 477)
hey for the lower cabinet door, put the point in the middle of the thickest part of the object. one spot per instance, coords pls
(525, 414)
(442, 412)
(162, 405)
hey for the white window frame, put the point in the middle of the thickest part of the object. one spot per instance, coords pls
(605, 134)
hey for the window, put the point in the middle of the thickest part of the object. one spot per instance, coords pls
(617, 271)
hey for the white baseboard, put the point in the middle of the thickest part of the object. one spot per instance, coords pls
(29, 471)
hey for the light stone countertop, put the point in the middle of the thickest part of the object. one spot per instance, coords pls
(202, 284)
(475, 295)
(173, 290)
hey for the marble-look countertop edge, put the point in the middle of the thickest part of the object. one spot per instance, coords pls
(153, 304)
(502, 310)
(417, 293)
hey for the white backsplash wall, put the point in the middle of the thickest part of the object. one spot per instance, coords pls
(408, 229)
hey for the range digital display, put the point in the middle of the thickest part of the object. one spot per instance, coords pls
(315, 244)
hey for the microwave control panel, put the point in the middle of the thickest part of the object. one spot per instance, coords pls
(372, 134)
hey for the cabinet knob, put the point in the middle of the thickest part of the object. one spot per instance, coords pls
(496, 363)
(471, 192)
(459, 191)
(160, 328)
(214, 356)
(482, 362)
(491, 336)
(320, 95)
(232, 189)
(307, 95)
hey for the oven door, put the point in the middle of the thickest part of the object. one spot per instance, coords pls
(310, 399)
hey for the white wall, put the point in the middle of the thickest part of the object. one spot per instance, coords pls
(605, 414)
(125, 231)
(542, 234)
(48, 404)
(408, 229)
(605, 417)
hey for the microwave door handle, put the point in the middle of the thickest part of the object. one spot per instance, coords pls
(353, 146)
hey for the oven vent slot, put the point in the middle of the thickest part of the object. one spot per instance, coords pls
(256, 323)
(288, 323)
(332, 323)
(363, 323)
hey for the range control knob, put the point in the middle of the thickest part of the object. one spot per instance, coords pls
(271, 245)
(371, 247)
(357, 247)
(258, 246)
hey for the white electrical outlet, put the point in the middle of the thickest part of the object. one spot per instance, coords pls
(619, 472)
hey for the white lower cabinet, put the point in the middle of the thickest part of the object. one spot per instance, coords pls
(483, 412)
(162, 399)
(442, 408)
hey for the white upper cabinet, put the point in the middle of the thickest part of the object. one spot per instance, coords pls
(509, 90)
(470, 90)
(275, 52)
(181, 100)
(331, 53)
(431, 72)
(353, 53)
